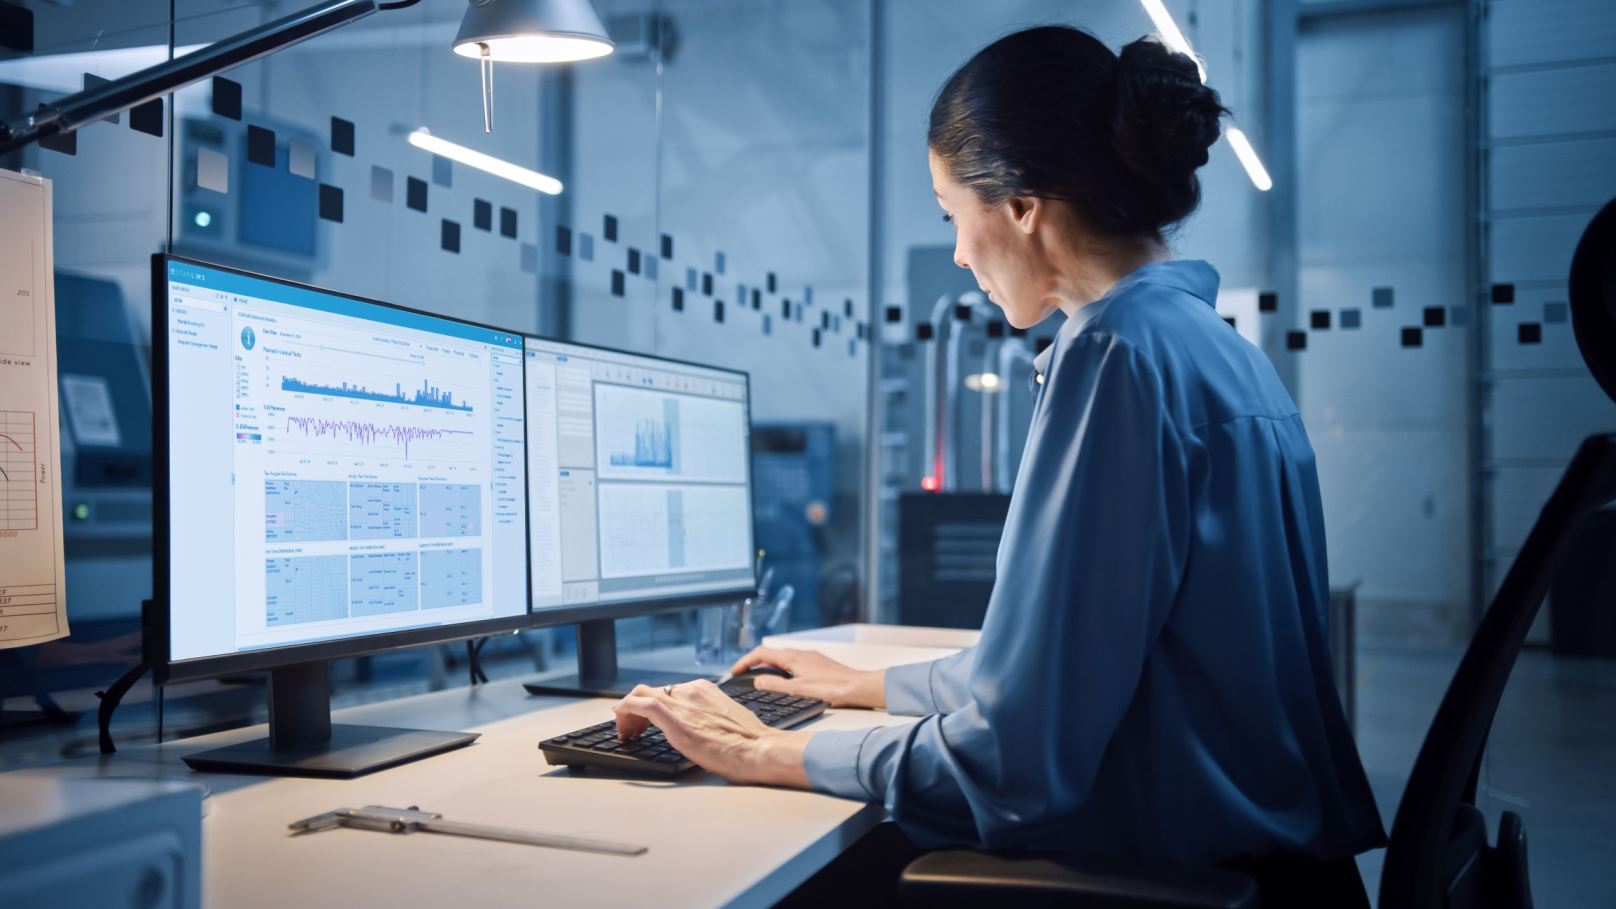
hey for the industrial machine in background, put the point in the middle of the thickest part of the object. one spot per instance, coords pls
(794, 480)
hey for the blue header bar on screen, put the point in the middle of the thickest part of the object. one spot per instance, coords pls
(232, 283)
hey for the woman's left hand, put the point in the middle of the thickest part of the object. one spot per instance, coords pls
(717, 733)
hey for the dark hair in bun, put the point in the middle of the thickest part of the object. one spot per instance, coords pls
(1052, 112)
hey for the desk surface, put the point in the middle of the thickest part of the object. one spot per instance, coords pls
(710, 843)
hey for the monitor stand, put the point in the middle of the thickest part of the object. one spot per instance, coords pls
(599, 675)
(303, 742)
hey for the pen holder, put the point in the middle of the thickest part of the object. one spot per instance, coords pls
(726, 633)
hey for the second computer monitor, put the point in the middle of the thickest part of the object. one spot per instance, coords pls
(639, 481)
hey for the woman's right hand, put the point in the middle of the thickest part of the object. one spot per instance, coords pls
(815, 675)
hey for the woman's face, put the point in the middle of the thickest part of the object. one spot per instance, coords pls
(998, 244)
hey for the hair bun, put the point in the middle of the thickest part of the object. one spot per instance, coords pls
(1165, 118)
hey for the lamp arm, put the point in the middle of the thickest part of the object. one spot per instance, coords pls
(119, 95)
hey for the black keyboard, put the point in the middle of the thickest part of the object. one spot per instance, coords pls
(650, 753)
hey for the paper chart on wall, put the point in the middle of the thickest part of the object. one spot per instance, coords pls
(33, 604)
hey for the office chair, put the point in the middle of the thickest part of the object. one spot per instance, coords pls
(1438, 854)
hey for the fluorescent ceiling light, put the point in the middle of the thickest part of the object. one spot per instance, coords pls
(423, 139)
(1168, 31)
(1248, 158)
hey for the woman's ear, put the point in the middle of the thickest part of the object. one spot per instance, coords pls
(1025, 212)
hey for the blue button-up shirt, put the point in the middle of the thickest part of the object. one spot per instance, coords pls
(1153, 676)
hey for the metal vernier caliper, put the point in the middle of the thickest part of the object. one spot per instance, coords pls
(412, 819)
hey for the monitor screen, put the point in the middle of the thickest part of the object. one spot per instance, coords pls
(639, 483)
(337, 468)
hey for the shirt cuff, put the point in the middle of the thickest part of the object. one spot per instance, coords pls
(831, 761)
(908, 690)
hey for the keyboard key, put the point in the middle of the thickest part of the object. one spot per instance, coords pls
(671, 757)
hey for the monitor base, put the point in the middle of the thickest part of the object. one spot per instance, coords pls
(351, 751)
(614, 686)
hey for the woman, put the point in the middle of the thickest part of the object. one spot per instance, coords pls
(1153, 677)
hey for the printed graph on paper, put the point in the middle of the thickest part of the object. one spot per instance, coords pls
(19, 501)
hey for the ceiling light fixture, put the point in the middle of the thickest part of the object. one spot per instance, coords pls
(544, 183)
(1167, 31)
(528, 31)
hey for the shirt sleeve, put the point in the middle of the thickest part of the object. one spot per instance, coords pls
(939, 686)
(1092, 554)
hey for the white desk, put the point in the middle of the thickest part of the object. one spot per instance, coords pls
(710, 843)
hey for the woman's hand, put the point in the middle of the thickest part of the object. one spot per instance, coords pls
(815, 675)
(715, 731)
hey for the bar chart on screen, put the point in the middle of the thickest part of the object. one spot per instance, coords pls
(650, 434)
(19, 509)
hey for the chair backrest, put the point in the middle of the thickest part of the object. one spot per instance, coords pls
(1438, 854)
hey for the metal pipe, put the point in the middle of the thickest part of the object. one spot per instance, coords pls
(933, 418)
(1014, 350)
(119, 95)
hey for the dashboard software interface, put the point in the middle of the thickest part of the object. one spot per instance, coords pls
(337, 468)
(639, 481)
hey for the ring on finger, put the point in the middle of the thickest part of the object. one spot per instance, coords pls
(668, 690)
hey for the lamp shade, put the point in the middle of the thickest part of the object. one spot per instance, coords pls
(532, 31)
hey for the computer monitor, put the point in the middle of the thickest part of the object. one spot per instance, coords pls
(335, 477)
(639, 497)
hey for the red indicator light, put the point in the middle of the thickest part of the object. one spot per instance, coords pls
(928, 483)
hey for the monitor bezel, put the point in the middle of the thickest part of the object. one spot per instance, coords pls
(551, 616)
(157, 643)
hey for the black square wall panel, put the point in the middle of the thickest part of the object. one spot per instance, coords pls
(415, 193)
(330, 202)
(148, 118)
(482, 214)
(1267, 301)
(718, 310)
(507, 222)
(893, 314)
(617, 282)
(1435, 316)
(667, 246)
(608, 229)
(773, 284)
(261, 146)
(1529, 333)
(1503, 293)
(449, 237)
(342, 136)
(1413, 336)
(16, 28)
(633, 261)
(1296, 340)
(62, 143)
(1319, 320)
(678, 299)
(227, 97)
(563, 240)
(91, 80)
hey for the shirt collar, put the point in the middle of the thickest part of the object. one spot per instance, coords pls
(1192, 276)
